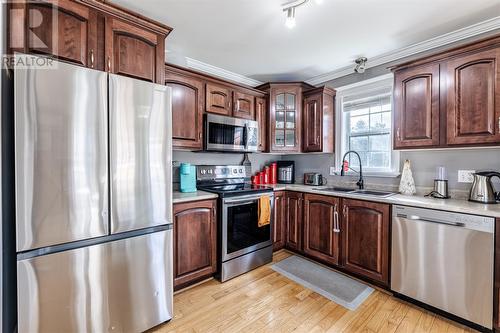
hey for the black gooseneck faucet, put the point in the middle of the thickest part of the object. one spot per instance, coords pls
(360, 182)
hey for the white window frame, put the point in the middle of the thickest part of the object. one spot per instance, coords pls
(374, 85)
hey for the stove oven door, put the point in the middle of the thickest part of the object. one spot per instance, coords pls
(240, 231)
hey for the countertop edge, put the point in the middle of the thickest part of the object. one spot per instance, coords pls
(450, 205)
(180, 197)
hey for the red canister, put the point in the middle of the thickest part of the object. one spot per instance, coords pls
(255, 180)
(274, 173)
(267, 175)
(261, 177)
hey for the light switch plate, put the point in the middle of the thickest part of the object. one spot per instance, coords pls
(466, 176)
(332, 171)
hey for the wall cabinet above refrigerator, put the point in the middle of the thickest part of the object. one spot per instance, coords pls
(90, 33)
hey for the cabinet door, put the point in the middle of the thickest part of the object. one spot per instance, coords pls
(64, 29)
(365, 239)
(294, 221)
(472, 102)
(321, 235)
(194, 241)
(187, 111)
(279, 228)
(416, 107)
(312, 119)
(243, 105)
(285, 119)
(133, 51)
(218, 99)
(261, 118)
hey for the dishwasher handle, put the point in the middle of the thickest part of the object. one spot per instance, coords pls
(418, 218)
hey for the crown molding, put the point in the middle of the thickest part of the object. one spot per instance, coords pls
(221, 73)
(429, 44)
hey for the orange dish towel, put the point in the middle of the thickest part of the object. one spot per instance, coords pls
(264, 211)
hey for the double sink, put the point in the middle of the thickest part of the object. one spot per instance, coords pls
(376, 193)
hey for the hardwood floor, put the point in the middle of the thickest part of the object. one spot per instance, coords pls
(265, 301)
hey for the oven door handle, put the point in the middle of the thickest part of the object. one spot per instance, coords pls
(247, 199)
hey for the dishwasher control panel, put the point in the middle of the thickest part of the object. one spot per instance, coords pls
(474, 222)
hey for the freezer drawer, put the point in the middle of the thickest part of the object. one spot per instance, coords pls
(61, 183)
(120, 286)
(141, 154)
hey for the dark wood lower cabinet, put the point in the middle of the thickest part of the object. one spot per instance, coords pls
(279, 227)
(294, 221)
(321, 234)
(365, 239)
(194, 242)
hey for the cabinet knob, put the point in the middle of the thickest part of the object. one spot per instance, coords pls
(398, 134)
(109, 64)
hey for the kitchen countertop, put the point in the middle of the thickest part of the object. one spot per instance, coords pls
(453, 205)
(179, 197)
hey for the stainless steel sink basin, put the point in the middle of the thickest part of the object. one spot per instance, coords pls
(382, 194)
(376, 193)
(336, 189)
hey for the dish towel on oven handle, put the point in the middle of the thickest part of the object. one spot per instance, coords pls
(264, 211)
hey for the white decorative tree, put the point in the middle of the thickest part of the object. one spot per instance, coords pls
(407, 184)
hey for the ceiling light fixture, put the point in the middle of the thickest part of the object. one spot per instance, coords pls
(290, 18)
(289, 8)
(360, 65)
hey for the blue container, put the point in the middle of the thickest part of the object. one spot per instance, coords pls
(188, 177)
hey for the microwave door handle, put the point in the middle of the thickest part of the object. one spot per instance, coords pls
(245, 136)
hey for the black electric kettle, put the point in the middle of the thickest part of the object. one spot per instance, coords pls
(482, 189)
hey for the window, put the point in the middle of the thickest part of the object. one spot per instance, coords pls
(366, 127)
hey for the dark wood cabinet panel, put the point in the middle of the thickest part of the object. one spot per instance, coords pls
(321, 234)
(194, 241)
(63, 28)
(416, 107)
(279, 228)
(187, 111)
(365, 239)
(261, 118)
(294, 203)
(472, 98)
(243, 105)
(218, 99)
(133, 51)
(318, 121)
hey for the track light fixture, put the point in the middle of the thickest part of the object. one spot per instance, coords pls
(289, 8)
(360, 65)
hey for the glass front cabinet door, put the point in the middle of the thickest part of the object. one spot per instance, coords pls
(285, 118)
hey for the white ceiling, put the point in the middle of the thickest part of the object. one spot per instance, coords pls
(249, 37)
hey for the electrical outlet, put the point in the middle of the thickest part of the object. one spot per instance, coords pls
(466, 176)
(332, 171)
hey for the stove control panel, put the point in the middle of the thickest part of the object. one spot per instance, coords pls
(207, 172)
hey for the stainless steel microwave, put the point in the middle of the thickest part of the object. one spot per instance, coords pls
(230, 134)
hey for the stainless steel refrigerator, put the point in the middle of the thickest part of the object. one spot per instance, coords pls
(93, 201)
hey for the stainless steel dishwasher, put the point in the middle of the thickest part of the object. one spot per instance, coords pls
(445, 260)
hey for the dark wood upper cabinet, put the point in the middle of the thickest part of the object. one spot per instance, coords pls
(243, 105)
(318, 121)
(133, 51)
(321, 234)
(261, 118)
(63, 28)
(92, 33)
(365, 239)
(294, 221)
(450, 99)
(187, 110)
(194, 241)
(279, 227)
(218, 99)
(472, 98)
(416, 107)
